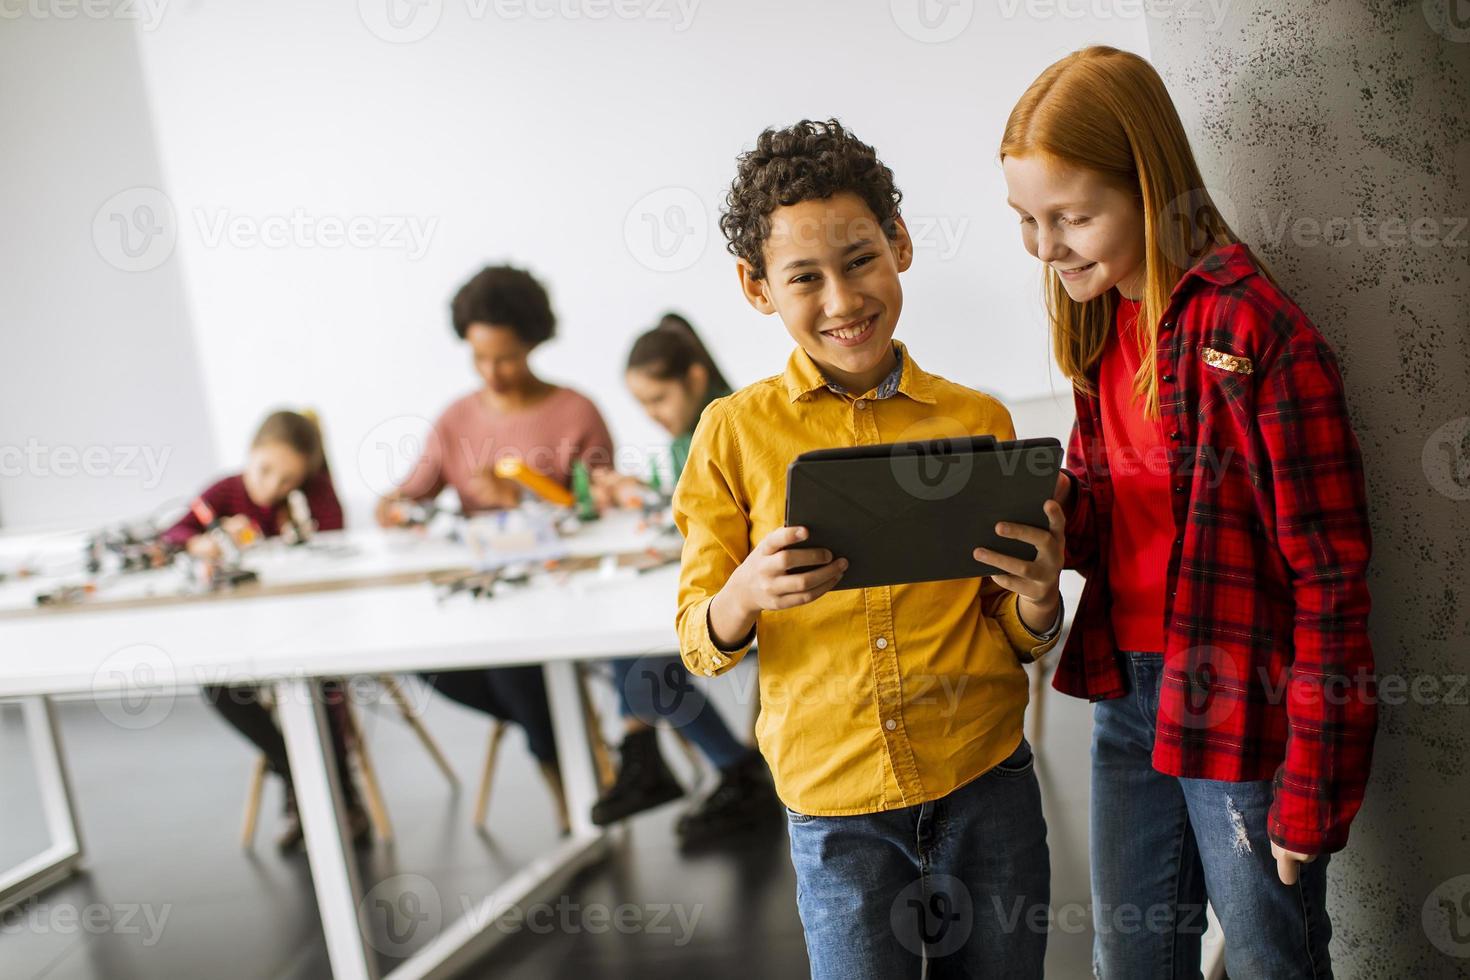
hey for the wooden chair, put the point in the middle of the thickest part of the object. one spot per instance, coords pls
(360, 759)
(601, 759)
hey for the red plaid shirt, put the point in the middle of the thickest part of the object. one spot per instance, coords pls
(1268, 672)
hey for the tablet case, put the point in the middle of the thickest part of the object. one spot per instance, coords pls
(915, 511)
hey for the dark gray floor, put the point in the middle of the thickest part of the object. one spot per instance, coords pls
(169, 893)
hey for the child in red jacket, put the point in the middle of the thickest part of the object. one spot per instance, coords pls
(1217, 508)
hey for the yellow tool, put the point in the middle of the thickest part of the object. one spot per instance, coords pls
(543, 486)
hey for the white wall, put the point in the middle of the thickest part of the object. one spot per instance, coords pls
(102, 410)
(539, 140)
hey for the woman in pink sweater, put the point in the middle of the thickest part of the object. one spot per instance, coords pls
(503, 314)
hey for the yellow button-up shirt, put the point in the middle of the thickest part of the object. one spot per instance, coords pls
(871, 699)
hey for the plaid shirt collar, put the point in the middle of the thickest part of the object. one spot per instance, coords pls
(1222, 267)
(907, 378)
(887, 388)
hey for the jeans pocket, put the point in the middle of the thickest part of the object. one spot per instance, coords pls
(798, 818)
(1018, 763)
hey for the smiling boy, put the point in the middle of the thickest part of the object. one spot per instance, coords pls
(915, 817)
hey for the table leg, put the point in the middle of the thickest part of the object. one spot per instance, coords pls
(304, 723)
(464, 942)
(574, 748)
(64, 855)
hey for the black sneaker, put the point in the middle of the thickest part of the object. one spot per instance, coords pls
(744, 801)
(644, 780)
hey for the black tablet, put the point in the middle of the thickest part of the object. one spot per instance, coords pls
(915, 511)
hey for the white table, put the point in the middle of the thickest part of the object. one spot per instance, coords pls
(291, 641)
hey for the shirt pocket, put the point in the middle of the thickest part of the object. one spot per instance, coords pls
(1227, 390)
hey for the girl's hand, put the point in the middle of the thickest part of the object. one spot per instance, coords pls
(389, 512)
(1288, 863)
(1034, 581)
(203, 547)
(236, 525)
(765, 582)
(1063, 492)
(494, 491)
(613, 489)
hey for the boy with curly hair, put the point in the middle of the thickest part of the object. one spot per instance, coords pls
(890, 717)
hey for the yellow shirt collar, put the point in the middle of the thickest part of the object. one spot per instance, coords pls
(802, 376)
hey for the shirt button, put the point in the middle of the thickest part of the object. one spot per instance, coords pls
(882, 643)
(1176, 435)
(860, 403)
(890, 724)
(1178, 488)
(1167, 379)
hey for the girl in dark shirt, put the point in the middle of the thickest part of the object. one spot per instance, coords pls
(286, 455)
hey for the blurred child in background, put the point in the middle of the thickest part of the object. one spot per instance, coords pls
(672, 375)
(503, 314)
(286, 455)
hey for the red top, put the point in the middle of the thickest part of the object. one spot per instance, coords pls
(228, 497)
(1143, 514)
(1268, 670)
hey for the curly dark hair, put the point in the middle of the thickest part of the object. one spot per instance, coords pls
(809, 161)
(504, 296)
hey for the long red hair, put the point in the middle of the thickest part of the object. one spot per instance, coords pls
(1108, 111)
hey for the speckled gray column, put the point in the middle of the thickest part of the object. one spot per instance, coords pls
(1337, 138)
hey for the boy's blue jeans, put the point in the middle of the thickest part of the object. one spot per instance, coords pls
(1160, 844)
(964, 880)
(660, 689)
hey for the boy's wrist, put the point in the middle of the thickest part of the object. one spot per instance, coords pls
(1040, 616)
(730, 622)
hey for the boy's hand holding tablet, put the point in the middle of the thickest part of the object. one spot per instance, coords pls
(776, 575)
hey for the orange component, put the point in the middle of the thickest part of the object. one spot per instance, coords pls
(543, 486)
